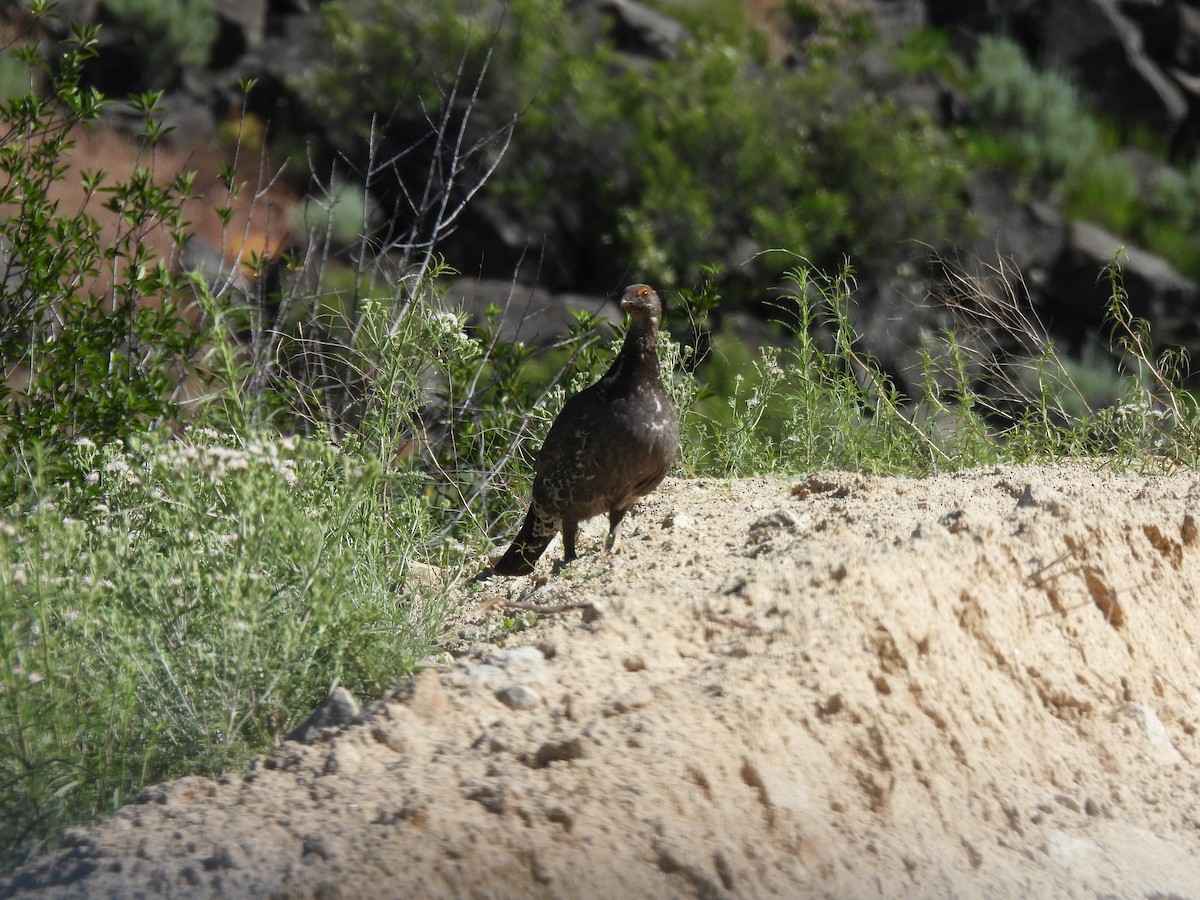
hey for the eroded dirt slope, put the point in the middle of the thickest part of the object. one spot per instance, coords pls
(982, 685)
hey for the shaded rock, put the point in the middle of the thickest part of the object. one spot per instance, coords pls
(1104, 49)
(344, 759)
(243, 25)
(635, 28)
(339, 709)
(1030, 234)
(1076, 295)
(519, 696)
(1159, 746)
(1182, 38)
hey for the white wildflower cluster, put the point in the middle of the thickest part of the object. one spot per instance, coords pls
(1140, 410)
(451, 329)
(219, 460)
(1148, 419)
(86, 450)
(118, 469)
(206, 435)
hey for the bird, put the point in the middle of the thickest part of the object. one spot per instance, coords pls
(611, 444)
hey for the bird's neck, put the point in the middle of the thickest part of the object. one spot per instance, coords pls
(638, 358)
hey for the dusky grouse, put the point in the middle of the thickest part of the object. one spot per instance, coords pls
(612, 443)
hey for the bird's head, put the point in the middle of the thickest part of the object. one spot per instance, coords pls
(642, 304)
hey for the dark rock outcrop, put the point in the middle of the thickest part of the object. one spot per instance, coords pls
(1077, 293)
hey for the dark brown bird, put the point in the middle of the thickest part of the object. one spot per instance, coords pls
(612, 443)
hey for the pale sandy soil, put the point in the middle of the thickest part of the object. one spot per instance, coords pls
(978, 685)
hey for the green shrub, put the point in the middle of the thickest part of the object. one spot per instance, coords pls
(342, 213)
(181, 608)
(819, 403)
(1034, 122)
(1047, 129)
(91, 328)
(15, 75)
(1105, 190)
(928, 50)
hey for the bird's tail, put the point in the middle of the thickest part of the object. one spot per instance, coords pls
(529, 544)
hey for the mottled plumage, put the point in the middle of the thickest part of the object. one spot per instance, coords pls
(612, 443)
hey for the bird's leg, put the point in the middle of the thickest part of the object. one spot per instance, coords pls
(614, 519)
(570, 531)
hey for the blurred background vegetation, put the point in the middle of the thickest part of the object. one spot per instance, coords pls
(704, 155)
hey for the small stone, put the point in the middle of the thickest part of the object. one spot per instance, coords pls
(343, 759)
(518, 659)
(491, 797)
(1158, 744)
(472, 633)
(1068, 802)
(390, 738)
(315, 845)
(634, 664)
(339, 709)
(518, 696)
(558, 751)
(638, 698)
(1041, 496)
(955, 521)
(540, 872)
(1188, 530)
(486, 676)
(222, 858)
(677, 520)
(770, 524)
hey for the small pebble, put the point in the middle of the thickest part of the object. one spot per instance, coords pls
(518, 696)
